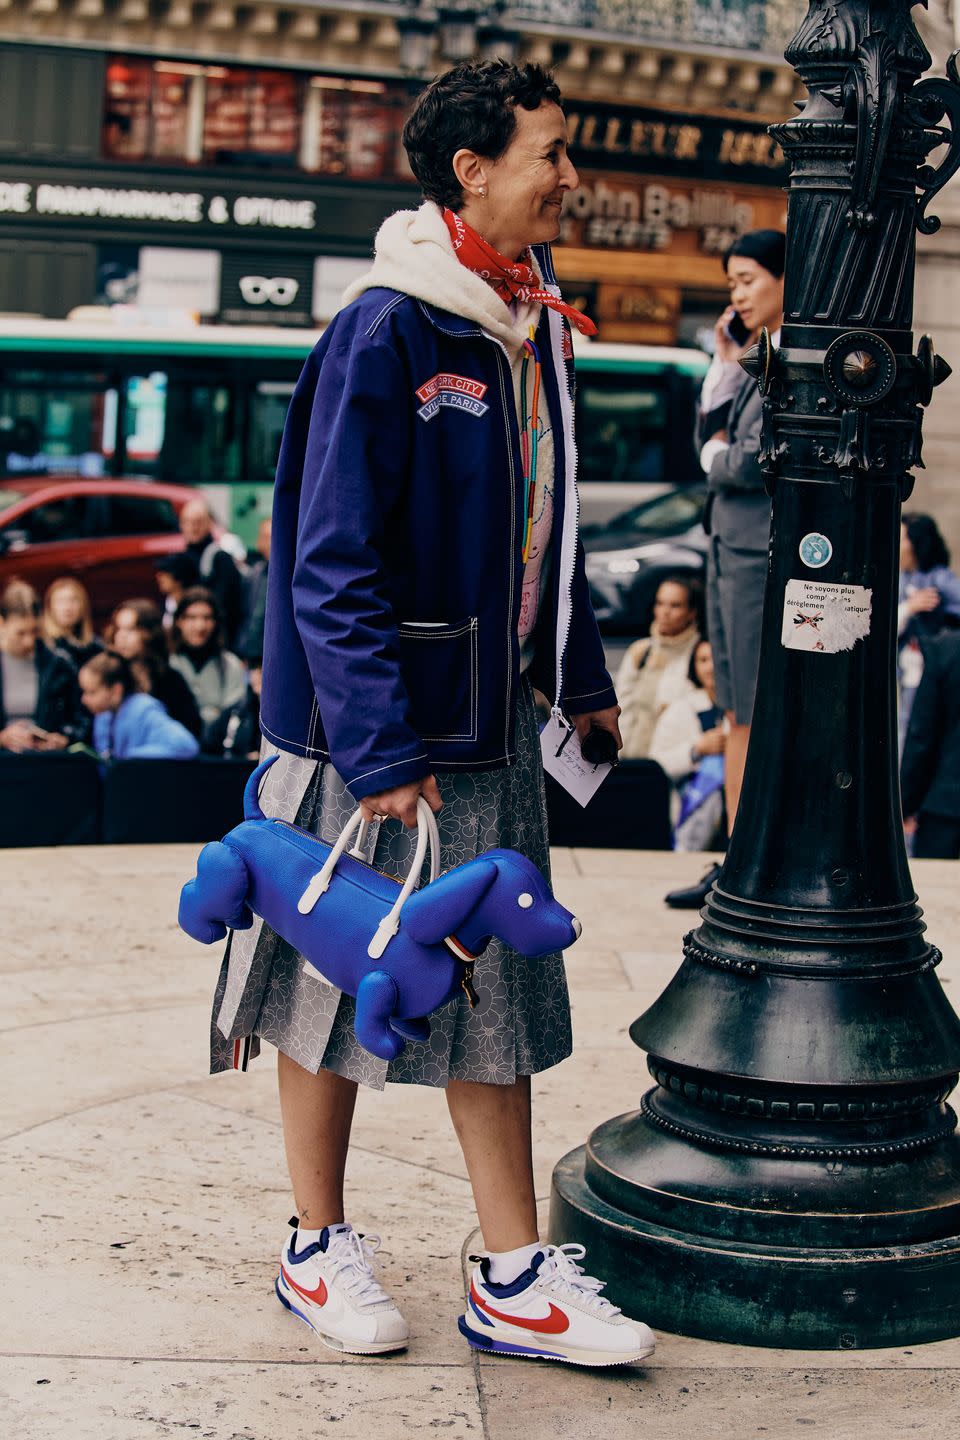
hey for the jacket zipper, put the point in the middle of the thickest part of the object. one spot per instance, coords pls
(566, 407)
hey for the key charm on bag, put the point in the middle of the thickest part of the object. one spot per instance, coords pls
(400, 951)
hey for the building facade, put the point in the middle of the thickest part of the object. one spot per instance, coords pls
(234, 162)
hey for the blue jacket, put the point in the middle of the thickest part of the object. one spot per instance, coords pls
(391, 644)
(142, 730)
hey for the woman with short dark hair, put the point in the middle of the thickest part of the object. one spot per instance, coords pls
(425, 574)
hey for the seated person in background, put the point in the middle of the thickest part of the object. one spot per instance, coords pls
(39, 700)
(216, 567)
(215, 676)
(236, 734)
(68, 622)
(136, 632)
(930, 770)
(653, 672)
(928, 602)
(127, 724)
(688, 744)
(175, 574)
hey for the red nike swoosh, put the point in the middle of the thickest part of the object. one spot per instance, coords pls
(318, 1296)
(553, 1324)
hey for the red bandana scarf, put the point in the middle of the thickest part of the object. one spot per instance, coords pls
(511, 280)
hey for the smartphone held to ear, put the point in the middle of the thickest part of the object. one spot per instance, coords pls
(736, 331)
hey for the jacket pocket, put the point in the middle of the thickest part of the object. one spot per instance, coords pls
(439, 665)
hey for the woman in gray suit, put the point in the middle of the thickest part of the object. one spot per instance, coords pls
(738, 511)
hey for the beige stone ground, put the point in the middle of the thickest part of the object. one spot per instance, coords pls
(142, 1203)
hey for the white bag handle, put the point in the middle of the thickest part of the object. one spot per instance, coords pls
(427, 835)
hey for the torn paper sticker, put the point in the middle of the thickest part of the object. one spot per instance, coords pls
(828, 618)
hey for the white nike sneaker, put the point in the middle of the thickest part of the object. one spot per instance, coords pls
(331, 1285)
(553, 1311)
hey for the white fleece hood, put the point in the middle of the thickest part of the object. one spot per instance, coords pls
(413, 253)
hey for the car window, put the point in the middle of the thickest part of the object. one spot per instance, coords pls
(65, 518)
(141, 515)
(669, 514)
(622, 428)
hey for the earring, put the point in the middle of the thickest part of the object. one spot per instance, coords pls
(482, 191)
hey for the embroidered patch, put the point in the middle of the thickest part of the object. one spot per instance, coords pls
(455, 402)
(457, 391)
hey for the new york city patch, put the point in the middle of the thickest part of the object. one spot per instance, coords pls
(456, 391)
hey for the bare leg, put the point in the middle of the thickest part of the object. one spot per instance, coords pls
(317, 1115)
(734, 759)
(493, 1126)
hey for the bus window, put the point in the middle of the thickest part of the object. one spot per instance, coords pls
(621, 429)
(268, 411)
(201, 438)
(145, 413)
(55, 424)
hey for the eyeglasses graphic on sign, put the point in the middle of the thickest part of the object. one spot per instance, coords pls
(259, 290)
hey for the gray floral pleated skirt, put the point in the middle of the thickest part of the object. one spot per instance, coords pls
(521, 1025)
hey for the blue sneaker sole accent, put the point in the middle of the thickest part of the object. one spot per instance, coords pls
(287, 1305)
(484, 1342)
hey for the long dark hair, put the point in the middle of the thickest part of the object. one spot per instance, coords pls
(929, 546)
(198, 595)
(154, 663)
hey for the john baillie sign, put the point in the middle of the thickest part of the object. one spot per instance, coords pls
(660, 142)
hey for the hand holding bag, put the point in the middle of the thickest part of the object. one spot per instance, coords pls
(401, 952)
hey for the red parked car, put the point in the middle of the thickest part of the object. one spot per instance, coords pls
(106, 533)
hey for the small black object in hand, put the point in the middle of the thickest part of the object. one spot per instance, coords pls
(599, 747)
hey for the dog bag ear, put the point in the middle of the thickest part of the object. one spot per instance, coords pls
(433, 913)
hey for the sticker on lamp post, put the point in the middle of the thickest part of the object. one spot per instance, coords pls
(824, 618)
(815, 551)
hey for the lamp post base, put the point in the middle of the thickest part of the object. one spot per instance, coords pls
(740, 1264)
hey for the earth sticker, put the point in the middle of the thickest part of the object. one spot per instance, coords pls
(815, 551)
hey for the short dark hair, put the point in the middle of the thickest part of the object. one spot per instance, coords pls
(471, 107)
(182, 567)
(928, 544)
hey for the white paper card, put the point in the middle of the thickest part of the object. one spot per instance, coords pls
(560, 747)
(825, 618)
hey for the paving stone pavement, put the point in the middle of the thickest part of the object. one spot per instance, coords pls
(142, 1203)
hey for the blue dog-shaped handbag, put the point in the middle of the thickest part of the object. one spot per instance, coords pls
(345, 917)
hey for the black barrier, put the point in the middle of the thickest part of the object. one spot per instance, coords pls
(157, 801)
(630, 811)
(76, 800)
(49, 800)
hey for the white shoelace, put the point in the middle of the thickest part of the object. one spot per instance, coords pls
(564, 1276)
(349, 1256)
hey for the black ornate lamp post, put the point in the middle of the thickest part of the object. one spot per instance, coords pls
(793, 1177)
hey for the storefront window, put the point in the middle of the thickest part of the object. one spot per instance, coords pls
(174, 110)
(251, 115)
(171, 113)
(126, 120)
(350, 129)
(274, 115)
